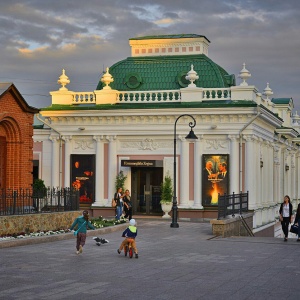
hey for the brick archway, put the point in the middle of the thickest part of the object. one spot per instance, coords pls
(10, 153)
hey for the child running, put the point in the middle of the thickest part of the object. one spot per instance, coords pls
(82, 224)
(130, 234)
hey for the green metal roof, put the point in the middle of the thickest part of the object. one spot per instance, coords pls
(282, 100)
(169, 36)
(166, 73)
(204, 104)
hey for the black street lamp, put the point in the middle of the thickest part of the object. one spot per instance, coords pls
(190, 136)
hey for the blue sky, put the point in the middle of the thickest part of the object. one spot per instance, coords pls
(40, 38)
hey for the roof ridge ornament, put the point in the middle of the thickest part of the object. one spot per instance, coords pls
(268, 92)
(192, 76)
(107, 79)
(244, 75)
(63, 80)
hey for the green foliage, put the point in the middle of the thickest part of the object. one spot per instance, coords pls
(166, 190)
(101, 222)
(120, 181)
(39, 188)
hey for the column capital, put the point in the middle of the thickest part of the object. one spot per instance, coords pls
(67, 138)
(233, 137)
(98, 138)
(111, 138)
(54, 138)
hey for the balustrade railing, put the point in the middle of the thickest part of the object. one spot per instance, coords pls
(149, 96)
(216, 94)
(84, 98)
(212, 94)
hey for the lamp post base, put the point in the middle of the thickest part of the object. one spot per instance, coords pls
(174, 225)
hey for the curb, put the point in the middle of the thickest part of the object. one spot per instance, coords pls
(58, 237)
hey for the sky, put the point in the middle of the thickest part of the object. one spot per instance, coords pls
(39, 38)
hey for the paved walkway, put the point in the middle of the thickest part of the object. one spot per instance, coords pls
(174, 263)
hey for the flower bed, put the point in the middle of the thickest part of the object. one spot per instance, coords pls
(99, 222)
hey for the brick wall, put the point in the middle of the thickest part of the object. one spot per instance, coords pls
(16, 120)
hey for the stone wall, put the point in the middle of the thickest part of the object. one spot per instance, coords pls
(232, 226)
(36, 222)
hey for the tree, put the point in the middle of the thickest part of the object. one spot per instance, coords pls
(120, 181)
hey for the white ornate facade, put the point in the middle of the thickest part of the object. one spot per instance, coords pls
(259, 135)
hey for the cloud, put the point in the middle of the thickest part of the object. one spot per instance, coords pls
(39, 38)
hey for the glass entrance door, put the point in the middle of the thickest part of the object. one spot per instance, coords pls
(145, 191)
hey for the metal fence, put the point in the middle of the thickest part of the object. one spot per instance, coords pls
(232, 204)
(26, 201)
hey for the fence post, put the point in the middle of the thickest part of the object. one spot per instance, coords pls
(58, 199)
(14, 201)
(233, 204)
(241, 203)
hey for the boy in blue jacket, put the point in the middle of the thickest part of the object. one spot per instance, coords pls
(82, 224)
(130, 234)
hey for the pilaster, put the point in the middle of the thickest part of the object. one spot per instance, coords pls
(99, 187)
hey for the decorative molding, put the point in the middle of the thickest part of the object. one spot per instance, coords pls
(146, 144)
(216, 144)
(84, 145)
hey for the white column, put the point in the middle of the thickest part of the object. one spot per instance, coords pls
(99, 184)
(259, 190)
(184, 173)
(298, 175)
(293, 176)
(249, 171)
(276, 196)
(112, 166)
(270, 175)
(264, 177)
(55, 176)
(68, 150)
(234, 164)
(197, 173)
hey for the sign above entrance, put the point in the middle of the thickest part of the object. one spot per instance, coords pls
(142, 163)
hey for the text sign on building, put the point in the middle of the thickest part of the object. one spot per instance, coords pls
(139, 163)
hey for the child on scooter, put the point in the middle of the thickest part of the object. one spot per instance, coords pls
(130, 234)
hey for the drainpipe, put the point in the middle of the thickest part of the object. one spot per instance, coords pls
(241, 144)
(60, 148)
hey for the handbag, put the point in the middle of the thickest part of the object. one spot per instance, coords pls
(76, 232)
(113, 202)
(294, 229)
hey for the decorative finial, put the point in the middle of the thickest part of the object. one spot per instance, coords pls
(192, 76)
(244, 75)
(107, 79)
(268, 92)
(63, 80)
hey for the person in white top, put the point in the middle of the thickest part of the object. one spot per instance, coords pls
(286, 211)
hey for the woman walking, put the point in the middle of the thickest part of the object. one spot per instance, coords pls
(285, 212)
(297, 220)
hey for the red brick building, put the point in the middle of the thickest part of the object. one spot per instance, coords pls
(16, 143)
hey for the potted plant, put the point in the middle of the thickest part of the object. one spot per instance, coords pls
(166, 196)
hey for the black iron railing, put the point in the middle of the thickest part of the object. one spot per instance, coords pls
(232, 204)
(26, 201)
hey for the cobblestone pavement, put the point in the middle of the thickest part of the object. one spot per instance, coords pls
(174, 263)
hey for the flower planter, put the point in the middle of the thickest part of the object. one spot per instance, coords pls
(166, 208)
